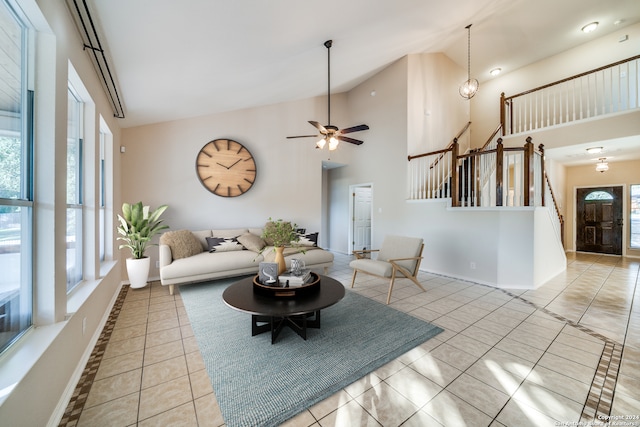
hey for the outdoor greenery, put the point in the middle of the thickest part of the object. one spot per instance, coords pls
(10, 155)
(137, 227)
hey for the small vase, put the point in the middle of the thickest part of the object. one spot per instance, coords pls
(282, 266)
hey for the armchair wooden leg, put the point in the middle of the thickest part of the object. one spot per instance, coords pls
(414, 280)
(353, 279)
(393, 278)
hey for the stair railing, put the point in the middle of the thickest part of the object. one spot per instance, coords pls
(605, 90)
(430, 173)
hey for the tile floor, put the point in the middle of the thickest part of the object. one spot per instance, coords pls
(564, 353)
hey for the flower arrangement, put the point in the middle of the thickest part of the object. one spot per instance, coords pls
(280, 233)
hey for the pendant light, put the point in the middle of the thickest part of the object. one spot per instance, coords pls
(469, 88)
(602, 165)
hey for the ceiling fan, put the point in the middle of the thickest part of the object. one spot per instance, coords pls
(331, 134)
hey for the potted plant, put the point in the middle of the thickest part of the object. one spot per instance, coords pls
(138, 225)
(279, 233)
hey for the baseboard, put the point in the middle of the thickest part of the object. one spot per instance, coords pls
(150, 279)
(61, 407)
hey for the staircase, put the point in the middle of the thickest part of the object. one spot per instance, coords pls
(498, 176)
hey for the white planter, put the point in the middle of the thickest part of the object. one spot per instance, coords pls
(138, 271)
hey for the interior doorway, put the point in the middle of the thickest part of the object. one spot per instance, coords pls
(599, 220)
(361, 210)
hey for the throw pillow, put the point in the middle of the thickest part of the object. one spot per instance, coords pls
(183, 243)
(310, 239)
(224, 244)
(252, 242)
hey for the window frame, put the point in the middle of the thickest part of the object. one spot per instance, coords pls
(18, 313)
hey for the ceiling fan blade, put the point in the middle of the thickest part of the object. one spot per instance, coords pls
(318, 126)
(354, 129)
(304, 136)
(351, 140)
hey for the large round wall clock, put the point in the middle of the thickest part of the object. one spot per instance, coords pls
(226, 168)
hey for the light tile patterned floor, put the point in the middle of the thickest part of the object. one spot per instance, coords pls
(567, 352)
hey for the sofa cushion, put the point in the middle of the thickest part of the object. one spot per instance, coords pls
(202, 235)
(231, 232)
(224, 244)
(207, 263)
(252, 242)
(183, 243)
(309, 239)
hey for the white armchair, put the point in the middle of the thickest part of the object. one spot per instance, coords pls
(397, 255)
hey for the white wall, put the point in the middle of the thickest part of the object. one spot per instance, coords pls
(158, 167)
(432, 123)
(381, 160)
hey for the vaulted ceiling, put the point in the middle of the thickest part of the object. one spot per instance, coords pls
(177, 59)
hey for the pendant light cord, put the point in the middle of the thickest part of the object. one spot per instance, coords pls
(468, 27)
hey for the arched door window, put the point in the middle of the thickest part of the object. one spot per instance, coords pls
(598, 195)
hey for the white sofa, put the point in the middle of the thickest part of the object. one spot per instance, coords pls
(179, 266)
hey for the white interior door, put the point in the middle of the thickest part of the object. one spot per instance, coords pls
(362, 206)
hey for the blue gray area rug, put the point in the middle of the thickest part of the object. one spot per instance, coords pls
(260, 384)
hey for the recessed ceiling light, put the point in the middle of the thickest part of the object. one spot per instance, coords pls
(594, 150)
(590, 27)
(495, 71)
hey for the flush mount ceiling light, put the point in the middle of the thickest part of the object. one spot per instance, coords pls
(470, 87)
(594, 150)
(495, 71)
(590, 27)
(602, 165)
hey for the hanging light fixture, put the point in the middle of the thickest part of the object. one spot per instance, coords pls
(469, 88)
(602, 165)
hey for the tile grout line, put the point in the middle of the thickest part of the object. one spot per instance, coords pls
(600, 398)
(76, 404)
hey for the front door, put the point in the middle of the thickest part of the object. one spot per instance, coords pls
(599, 220)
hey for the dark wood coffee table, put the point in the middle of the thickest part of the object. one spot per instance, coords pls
(273, 313)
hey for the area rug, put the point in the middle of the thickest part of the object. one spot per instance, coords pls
(260, 384)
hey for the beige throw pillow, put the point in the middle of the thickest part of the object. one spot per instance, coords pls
(252, 242)
(183, 243)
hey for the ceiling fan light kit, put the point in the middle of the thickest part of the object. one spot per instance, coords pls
(469, 88)
(331, 134)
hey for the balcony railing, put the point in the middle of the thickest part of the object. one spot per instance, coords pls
(606, 90)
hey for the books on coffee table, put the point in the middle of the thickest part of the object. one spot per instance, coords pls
(294, 280)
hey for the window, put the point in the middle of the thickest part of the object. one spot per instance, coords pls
(598, 195)
(16, 194)
(102, 188)
(74, 190)
(635, 217)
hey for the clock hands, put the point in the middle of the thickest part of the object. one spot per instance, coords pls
(229, 167)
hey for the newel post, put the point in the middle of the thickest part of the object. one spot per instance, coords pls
(499, 171)
(543, 175)
(528, 173)
(453, 191)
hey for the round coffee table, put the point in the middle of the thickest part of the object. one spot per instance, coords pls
(273, 313)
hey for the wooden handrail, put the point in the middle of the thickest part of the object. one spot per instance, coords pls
(444, 150)
(577, 76)
(555, 205)
(493, 135)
